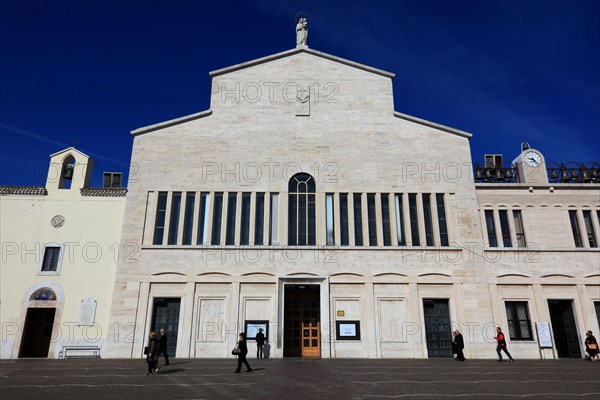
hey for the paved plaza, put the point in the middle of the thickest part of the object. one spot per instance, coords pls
(300, 379)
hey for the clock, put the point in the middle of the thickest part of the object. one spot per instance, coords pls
(57, 221)
(533, 159)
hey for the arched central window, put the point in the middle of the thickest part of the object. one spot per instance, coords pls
(301, 211)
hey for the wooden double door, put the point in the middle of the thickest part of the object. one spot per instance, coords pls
(302, 321)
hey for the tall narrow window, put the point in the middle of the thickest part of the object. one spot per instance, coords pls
(217, 217)
(441, 211)
(203, 218)
(414, 219)
(159, 224)
(385, 216)
(245, 231)
(519, 232)
(301, 210)
(491, 228)
(428, 222)
(188, 221)
(231, 210)
(358, 229)
(51, 256)
(575, 228)
(400, 220)
(506, 241)
(274, 230)
(371, 215)
(174, 219)
(519, 325)
(329, 219)
(344, 219)
(259, 219)
(589, 228)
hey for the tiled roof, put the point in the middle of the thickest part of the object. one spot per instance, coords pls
(23, 190)
(104, 192)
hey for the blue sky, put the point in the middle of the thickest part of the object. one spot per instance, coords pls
(86, 73)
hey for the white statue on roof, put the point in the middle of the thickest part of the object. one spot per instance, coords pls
(301, 32)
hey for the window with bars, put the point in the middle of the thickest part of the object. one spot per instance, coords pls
(519, 324)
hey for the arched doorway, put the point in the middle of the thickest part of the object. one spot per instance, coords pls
(39, 322)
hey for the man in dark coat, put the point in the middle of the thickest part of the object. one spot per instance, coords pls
(260, 342)
(242, 345)
(163, 346)
(458, 345)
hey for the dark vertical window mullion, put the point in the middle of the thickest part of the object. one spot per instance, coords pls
(188, 218)
(385, 217)
(358, 229)
(414, 219)
(344, 219)
(491, 228)
(245, 223)
(441, 211)
(231, 214)
(259, 219)
(372, 219)
(159, 222)
(427, 215)
(217, 217)
(589, 228)
(174, 218)
(575, 228)
(504, 228)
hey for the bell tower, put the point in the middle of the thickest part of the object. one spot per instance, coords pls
(69, 170)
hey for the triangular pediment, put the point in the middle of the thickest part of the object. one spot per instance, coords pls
(298, 50)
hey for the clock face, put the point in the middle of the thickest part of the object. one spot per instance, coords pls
(533, 159)
(57, 221)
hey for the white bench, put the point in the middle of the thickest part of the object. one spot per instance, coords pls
(79, 352)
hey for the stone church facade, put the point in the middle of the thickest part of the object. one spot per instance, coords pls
(302, 203)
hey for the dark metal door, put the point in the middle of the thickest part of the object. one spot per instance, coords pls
(166, 316)
(565, 330)
(438, 332)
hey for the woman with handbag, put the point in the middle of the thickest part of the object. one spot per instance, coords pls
(241, 353)
(591, 346)
(151, 352)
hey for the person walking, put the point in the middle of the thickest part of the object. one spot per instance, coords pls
(459, 344)
(242, 345)
(260, 342)
(502, 345)
(152, 353)
(591, 346)
(163, 346)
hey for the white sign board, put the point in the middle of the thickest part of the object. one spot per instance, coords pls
(87, 312)
(544, 336)
(347, 330)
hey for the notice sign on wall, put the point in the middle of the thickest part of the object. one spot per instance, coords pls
(544, 336)
(87, 312)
